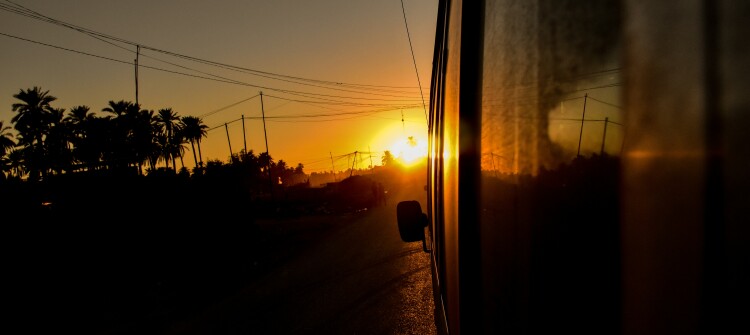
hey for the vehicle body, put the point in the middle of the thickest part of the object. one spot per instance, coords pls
(588, 167)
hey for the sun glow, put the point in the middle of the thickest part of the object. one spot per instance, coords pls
(407, 145)
(409, 151)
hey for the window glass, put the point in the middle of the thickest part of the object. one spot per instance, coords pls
(552, 133)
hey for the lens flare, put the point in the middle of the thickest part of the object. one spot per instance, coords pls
(409, 151)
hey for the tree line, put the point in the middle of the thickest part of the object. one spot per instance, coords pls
(128, 138)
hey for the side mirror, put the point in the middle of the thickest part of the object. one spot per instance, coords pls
(411, 221)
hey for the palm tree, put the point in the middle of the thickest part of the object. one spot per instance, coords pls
(145, 129)
(178, 149)
(77, 116)
(4, 168)
(162, 145)
(266, 162)
(6, 144)
(16, 163)
(6, 139)
(140, 137)
(57, 141)
(95, 147)
(194, 130)
(117, 108)
(31, 124)
(119, 153)
(78, 120)
(388, 159)
(169, 121)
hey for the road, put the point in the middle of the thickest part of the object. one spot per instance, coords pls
(360, 278)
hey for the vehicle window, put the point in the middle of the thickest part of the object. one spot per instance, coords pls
(552, 133)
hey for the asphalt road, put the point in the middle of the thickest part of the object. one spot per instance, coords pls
(359, 278)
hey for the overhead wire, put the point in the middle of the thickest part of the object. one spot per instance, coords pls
(337, 102)
(228, 81)
(604, 102)
(21, 10)
(414, 60)
(227, 106)
(282, 118)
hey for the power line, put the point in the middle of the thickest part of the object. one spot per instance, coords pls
(81, 30)
(227, 107)
(21, 10)
(342, 103)
(118, 61)
(313, 121)
(291, 118)
(414, 59)
(228, 81)
(339, 96)
(604, 102)
(314, 115)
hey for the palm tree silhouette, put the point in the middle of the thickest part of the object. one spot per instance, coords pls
(78, 120)
(169, 121)
(387, 159)
(31, 124)
(95, 145)
(118, 153)
(145, 128)
(6, 145)
(194, 130)
(57, 141)
(117, 108)
(6, 139)
(266, 162)
(177, 145)
(16, 163)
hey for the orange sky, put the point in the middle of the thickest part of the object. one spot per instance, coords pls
(360, 42)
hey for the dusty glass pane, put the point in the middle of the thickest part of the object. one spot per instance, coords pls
(550, 175)
(538, 76)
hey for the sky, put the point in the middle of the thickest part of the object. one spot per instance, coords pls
(336, 76)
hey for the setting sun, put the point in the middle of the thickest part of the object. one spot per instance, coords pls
(409, 150)
(407, 143)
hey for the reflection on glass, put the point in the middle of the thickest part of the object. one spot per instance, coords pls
(552, 132)
(540, 78)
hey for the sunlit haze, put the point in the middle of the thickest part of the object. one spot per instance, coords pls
(336, 76)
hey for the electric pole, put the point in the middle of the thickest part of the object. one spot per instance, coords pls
(265, 134)
(353, 162)
(333, 168)
(583, 117)
(228, 141)
(604, 136)
(243, 133)
(137, 56)
(372, 166)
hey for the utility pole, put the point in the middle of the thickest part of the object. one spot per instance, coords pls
(265, 134)
(244, 138)
(353, 162)
(137, 56)
(583, 117)
(333, 168)
(372, 166)
(230, 143)
(604, 136)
